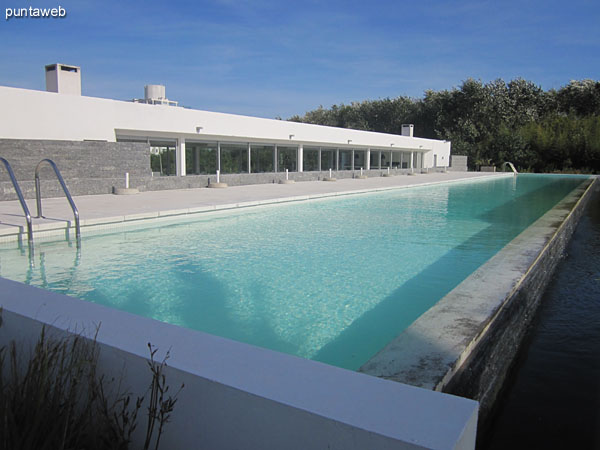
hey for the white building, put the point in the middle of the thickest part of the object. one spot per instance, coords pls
(203, 141)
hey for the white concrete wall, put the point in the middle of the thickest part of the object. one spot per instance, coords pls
(29, 114)
(240, 396)
(442, 150)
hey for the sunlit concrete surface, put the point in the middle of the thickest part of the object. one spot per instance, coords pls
(113, 209)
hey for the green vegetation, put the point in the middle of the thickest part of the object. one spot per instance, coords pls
(541, 131)
(56, 399)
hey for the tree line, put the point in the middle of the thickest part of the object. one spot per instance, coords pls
(537, 130)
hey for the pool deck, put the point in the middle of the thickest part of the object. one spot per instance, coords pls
(102, 210)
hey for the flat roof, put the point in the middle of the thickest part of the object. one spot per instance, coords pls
(31, 114)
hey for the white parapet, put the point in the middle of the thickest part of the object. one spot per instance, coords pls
(241, 396)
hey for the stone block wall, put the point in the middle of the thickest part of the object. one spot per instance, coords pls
(91, 168)
(88, 167)
(458, 163)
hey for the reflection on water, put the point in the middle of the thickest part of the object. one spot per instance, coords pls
(333, 280)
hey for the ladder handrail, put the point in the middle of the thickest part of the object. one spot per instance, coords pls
(38, 194)
(511, 165)
(11, 174)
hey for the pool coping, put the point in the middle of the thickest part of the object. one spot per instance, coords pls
(466, 343)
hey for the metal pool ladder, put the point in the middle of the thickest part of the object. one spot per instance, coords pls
(38, 195)
(11, 174)
(511, 165)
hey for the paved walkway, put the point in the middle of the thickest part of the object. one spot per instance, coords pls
(108, 208)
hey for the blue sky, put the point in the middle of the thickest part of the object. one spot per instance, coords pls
(280, 58)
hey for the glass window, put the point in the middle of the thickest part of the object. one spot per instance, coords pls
(359, 159)
(310, 161)
(345, 159)
(200, 158)
(234, 158)
(286, 158)
(404, 159)
(162, 157)
(261, 158)
(328, 159)
(375, 159)
(386, 159)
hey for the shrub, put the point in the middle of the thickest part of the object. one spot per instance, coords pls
(57, 399)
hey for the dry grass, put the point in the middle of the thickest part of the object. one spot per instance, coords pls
(56, 399)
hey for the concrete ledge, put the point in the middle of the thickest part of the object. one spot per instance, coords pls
(466, 343)
(286, 181)
(240, 396)
(125, 191)
(329, 179)
(217, 185)
(361, 177)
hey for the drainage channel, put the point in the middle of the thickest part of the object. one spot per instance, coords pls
(552, 399)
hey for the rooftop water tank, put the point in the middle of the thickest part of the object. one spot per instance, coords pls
(154, 91)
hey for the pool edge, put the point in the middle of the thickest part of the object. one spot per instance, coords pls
(65, 229)
(466, 343)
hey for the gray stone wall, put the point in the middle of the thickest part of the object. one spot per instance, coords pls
(157, 183)
(458, 163)
(485, 371)
(88, 167)
(91, 168)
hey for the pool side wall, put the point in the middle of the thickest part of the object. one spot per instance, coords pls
(485, 370)
(467, 342)
(240, 396)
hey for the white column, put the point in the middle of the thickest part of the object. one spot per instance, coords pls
(180, 158)
(391, 159)
(249, 162)
(368, 159)
(379, 159)
(337, 159)
(275, 158)
(401, 159)
(219, 156)
(300, 158)
(412, 159)
(319, 163)
(352, 160)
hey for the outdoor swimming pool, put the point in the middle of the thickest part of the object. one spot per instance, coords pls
(332, 280)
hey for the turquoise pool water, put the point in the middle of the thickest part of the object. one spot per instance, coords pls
(332, 280)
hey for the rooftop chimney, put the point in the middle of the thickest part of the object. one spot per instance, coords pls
(408, 129)
(63, 79)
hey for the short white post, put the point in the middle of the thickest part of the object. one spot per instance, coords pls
(287, 177)
(126, 180)
(218, 175)
(329, 172)
(388, 170)
(361, 172)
